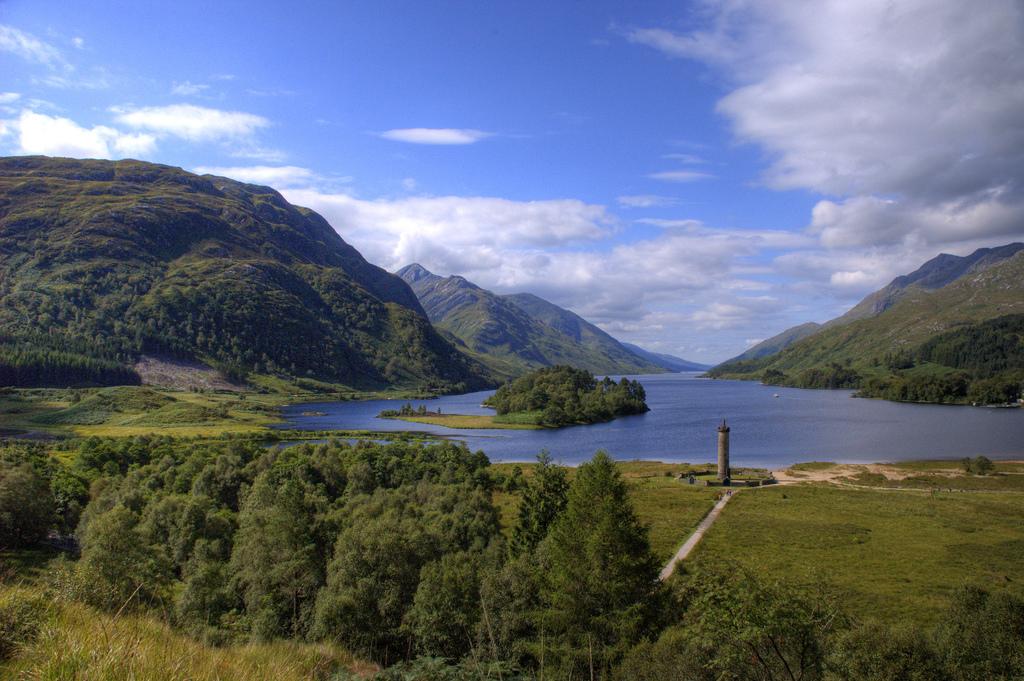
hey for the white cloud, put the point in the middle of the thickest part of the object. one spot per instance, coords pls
(690, 159)
(57, 136)
(188, 89)
(905, 117)
(909, 113)
(446, 136)
(28, 47)
(78, 42)
(9, 97)
(409, 184)
(698, 45)
(687, 276)
(680, 176)
(394, 233)
(275, 176)
(251, 150)
(192, 123)
(646, 201)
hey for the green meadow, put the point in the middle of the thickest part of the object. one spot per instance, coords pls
(895, 555)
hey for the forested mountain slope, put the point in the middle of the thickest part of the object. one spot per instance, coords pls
(101, 261)
(960, 334)
(942, 270)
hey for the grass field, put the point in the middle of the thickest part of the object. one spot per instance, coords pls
(143, 410)
(468, 421)
(895, 555)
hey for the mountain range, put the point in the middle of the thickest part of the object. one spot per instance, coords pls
(104, 261)
(894, 332)
(108, 266)
(518, 332)
(665, 361)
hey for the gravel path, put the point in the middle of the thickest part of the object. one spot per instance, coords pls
(694, 539)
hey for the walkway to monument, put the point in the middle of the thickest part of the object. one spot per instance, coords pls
(694, 539)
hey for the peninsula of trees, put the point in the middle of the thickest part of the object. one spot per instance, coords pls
(561, 396)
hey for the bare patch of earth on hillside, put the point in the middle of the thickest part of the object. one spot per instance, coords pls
(182, 375)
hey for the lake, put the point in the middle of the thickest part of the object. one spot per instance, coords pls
(767, 431)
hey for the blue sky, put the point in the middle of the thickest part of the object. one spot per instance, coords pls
(693, 177)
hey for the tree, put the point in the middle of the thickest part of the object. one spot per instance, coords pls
(982, 636)
(875, 651)
(118, 568)
(275, 565)
(673, 657)
(601, 580)
(380, 553)
(982, 465)
(543, 500)
(26, 506)
(979, 465)
(509, 603)
(757, 630)
(446, 608)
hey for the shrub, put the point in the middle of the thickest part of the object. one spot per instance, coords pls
(26, 506)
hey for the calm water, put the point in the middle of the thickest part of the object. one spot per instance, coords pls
(799, 425)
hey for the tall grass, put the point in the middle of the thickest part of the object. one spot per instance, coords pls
(75, 642)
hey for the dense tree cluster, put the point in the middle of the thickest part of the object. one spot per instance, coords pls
(562, 395)
(946, 388)
(28, 367)
(406, 410)
(395, 552)
(984, 350)
(833, 375)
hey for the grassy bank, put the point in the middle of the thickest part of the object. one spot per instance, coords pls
(70, 641)
(143, 410)
(469, 421)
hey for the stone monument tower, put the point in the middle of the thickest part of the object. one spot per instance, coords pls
(723, 453)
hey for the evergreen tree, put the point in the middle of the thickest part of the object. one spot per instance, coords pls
(543, 499)
(602, 583)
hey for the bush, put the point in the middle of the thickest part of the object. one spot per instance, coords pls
(26, 506)
(874, 651)
(979, 465)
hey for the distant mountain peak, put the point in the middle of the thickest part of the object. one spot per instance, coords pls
(937, 273)
(519, 332)
(414, 272)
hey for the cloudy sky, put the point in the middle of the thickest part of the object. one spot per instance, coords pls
(693, 177)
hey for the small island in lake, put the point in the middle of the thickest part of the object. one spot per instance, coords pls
(552, 397)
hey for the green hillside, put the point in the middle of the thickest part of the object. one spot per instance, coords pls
(890, 353)
(106, 261)
(770, 346)
(517, 333)
(940, 271)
